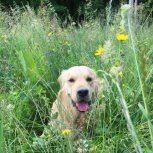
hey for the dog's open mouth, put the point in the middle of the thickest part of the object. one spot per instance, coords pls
(82, 106)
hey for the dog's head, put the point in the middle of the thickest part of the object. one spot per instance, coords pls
(79, 83)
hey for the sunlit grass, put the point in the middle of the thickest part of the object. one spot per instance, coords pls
(34, 49)
(1, 131)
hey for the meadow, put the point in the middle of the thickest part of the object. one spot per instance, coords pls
(34, 49)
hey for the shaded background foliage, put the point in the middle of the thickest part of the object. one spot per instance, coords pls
(74, 9)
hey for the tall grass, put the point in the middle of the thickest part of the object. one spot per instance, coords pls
(1, 131)
(34, 49)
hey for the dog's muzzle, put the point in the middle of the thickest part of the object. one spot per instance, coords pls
(82, 106)
(83, 103)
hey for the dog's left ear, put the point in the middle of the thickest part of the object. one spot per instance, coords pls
(62, 78)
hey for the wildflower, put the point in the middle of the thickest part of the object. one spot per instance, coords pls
(121, 37)
(10, 107)
(116, 71)
(142, 126)
(140, 7)
(48, 135)
(1, 18)
(82, 145)
(67, 43)
(81, 150)
(66, 131)
(49, 34)
(107, 51)
(124, 13)
(113, 68)
(4, 37)
(120, 73)
(73, 23)
(94, 148)
(99, 51)
(107, 45)
(125, 8)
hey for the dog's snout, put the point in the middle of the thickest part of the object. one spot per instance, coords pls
(82, 92)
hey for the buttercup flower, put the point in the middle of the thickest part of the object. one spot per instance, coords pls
(94, 148)
(49, 34)
(116, 71)
(99, 51)
(66, 131)
(120, 73)
(121, 37)
(67, 43)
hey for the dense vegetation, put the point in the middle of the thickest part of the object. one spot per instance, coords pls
(34, 49)
(77, 10)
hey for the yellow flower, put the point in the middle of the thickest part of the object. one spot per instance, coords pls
(66, 131)
(49, 34)
(99, 51)
(121, 37)
(94, 148)
(116, 71)
(66, 42)
(120, 73)
(142, 126)
(113, 67)
(4, 37)
(48, 135)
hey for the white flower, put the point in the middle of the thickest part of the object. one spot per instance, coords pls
(125, 8)
(124, 12)
(10, 107)
(107, 45)
(116, 71)
(81, 150)
(73, 23)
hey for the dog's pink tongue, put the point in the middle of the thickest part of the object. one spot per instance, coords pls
(82, 106)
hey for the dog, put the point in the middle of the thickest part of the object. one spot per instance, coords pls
(78, 89)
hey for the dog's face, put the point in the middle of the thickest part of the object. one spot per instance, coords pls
(79, 83)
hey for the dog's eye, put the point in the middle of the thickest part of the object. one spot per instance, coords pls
(71, 80)
(89, 79)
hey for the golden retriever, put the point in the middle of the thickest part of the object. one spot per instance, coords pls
(78, 88)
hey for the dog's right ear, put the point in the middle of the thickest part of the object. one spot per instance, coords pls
(62, 78)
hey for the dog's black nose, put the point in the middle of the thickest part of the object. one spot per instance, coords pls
(82, 92)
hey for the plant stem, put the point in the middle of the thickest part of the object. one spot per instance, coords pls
(128, 119)
(1, 130)
(146, 105)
